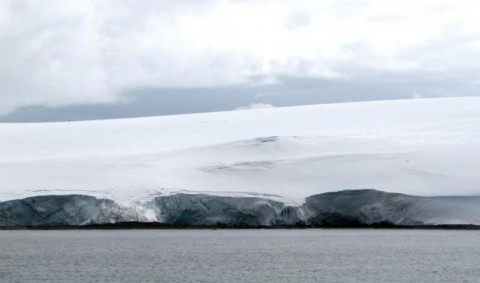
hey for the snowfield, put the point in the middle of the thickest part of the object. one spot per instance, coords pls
(420, 146)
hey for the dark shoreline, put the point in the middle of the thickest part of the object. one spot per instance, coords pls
(161, 226)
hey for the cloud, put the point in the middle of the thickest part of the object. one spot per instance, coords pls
(255, 106)
(55, 53)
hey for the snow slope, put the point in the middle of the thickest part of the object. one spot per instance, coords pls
(420, 147)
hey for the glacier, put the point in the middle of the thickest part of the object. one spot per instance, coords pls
(289, 166)
(350, 208)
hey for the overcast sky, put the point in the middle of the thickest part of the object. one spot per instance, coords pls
(88, 59)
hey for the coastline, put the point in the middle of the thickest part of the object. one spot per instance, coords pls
(162, 226)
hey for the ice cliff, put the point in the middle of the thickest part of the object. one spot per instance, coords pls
(349, 208)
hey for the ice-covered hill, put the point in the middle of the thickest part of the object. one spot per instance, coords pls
(421, 147)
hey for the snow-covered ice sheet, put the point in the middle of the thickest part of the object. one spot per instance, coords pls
(418, 146)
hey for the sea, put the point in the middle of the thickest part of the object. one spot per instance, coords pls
(270, 255)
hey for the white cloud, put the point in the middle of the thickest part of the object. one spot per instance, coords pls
(56, 52)
(255, 106)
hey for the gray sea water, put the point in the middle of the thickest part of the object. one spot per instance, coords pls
(315, 255)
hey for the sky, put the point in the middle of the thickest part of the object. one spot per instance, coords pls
(88, 59)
